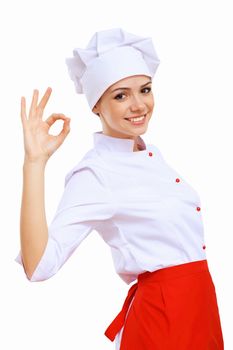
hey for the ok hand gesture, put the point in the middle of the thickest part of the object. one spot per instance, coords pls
(39, 145)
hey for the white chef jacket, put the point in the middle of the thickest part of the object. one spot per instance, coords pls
(145, 211)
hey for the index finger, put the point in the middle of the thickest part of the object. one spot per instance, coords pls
(45, 98)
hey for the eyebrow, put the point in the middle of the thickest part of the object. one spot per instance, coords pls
(126, 88)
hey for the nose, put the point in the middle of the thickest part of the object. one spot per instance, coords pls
(137, 103)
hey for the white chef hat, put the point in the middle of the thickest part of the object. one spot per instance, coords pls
(110, 56)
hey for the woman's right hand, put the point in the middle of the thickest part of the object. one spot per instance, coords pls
(39, 145)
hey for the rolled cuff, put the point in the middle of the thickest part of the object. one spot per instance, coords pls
(47, 266)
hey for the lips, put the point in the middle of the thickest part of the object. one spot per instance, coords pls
(140, 120)
(138, 116)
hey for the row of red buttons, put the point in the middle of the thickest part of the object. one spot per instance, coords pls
(178, 180)
(197, 208)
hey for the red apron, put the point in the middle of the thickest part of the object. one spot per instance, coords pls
(174, 308)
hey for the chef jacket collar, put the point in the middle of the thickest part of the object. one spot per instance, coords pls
(110, 143)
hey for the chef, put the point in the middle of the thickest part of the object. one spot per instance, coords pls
(146, 212)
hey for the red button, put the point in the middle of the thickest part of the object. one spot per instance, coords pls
(177, 180)
(204, 247)
(150, 154)
(198, 208)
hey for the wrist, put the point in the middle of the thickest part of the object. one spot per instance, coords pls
(28, 161)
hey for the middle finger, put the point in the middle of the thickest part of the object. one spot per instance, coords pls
(45, 98)
(34, 102)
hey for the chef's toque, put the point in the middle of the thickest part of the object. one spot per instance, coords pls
(110, 56)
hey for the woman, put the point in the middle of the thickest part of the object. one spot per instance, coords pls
(144, 210)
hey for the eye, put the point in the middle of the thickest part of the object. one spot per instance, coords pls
(147, 88)
(119, 96)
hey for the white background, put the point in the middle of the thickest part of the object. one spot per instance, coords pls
(192, 126)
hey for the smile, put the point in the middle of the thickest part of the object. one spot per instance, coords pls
(137, 120)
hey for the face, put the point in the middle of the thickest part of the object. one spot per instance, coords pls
(123, 101)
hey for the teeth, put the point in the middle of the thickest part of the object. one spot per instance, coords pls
(137, 119)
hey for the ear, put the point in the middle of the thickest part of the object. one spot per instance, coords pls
(95, 110)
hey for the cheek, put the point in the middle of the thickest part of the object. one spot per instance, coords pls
(118, 112)
(113, 115)
(114, 112)
(151, 103)
(150, 106)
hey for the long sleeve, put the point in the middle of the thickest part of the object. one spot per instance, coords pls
(86, 201)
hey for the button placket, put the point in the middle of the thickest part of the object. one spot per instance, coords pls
(197, 208)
